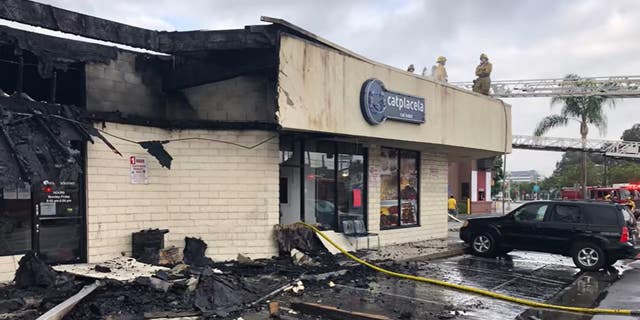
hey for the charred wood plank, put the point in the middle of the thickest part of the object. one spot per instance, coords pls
(186, 41)
(171, 314)
(334, 313)
(23, 166)
(53, 18)
(55, 53)
(118, 117)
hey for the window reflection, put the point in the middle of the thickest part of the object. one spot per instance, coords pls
(398, 188)
(388, 188)
(319, 188)
(409, 187)
(15, 219)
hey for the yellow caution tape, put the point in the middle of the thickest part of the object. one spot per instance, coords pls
(482, 292)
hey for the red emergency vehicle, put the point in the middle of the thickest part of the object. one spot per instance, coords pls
(619, 193)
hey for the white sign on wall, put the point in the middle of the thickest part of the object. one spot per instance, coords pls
(139, 170)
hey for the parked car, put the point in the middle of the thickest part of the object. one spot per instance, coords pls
(594, 234)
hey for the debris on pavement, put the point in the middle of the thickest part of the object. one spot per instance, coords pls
(301, 259)
(169, 256)
(34, 272)
(120, 268)
(242, 259)
(334, 313)
(194, 287)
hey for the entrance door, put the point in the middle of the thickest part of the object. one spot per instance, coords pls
(59, 222)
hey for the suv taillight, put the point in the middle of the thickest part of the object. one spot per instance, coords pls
(624, 238)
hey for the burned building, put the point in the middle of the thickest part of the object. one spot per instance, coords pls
(219, 135)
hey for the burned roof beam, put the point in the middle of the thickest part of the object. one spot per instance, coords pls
(119, 117)
(57, 19)
(55, 52)
(195, 73)
(186, 41)
(25, 171)
(53, 18)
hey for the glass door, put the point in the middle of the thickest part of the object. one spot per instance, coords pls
(59, 222)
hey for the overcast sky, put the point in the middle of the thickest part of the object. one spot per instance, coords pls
(523, 39)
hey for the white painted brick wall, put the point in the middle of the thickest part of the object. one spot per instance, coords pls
(222, 193)
(8, 267)
(433, 200)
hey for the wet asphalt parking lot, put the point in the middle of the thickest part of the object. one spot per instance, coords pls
(536, 276)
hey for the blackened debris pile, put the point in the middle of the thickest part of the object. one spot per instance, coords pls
(130, 300)
(221, 295)
(37, 289)
(33, 272)
(221, 289)
(194, 250)
(146, 245)
(297, 236)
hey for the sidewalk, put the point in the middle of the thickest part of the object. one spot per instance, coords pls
(422, 250)
(623, 294)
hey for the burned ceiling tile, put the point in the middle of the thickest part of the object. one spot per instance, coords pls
(156, 149)
(36, 141)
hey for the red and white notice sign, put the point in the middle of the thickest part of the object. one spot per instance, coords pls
(139, 170)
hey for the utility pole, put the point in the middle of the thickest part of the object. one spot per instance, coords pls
(606, 173)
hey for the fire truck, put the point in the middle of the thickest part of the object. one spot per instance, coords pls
(620, 193)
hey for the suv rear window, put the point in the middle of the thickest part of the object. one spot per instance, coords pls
(566, 214)
(602, 215)
(628, 216)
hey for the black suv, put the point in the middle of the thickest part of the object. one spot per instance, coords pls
(594, 234)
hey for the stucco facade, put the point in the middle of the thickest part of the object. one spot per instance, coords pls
(319, 90)
(224, 127)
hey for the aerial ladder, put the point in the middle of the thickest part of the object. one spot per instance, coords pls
(611, 86)
(609, 148)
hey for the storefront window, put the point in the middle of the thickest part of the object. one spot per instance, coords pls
(320, 184)
(408, 187)
(399, 180)
(388, 188)
(350, 183)
(15, 219)
(324, 180)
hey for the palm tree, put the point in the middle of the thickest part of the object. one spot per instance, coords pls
(587, 110)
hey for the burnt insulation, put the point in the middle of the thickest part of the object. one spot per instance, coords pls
(36, 141)
(56, 53)
(156, 149)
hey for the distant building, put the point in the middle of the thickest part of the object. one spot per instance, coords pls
(523, 176)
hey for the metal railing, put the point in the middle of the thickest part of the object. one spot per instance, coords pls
(610, 148)
(613, 86)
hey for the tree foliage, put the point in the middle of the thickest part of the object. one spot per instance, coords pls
(498, 175)
(632, 134)
(587, 110)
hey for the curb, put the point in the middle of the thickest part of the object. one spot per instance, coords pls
(452, 251)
